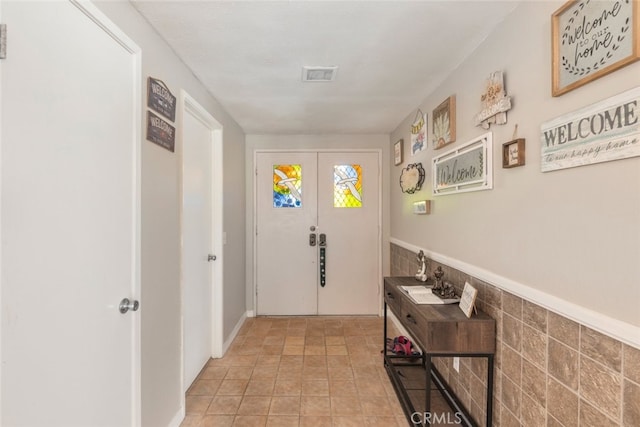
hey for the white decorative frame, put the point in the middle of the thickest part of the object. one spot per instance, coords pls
(466, 168)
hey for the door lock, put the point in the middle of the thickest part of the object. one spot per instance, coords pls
(211, 258)
(126, 305)
(312, 239)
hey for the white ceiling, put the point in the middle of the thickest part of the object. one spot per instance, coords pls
(391, 55)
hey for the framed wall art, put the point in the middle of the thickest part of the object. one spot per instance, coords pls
(419, 133)
(591, 39)
(444, 123)
(397, 152)
(466, 168)
(513, 153)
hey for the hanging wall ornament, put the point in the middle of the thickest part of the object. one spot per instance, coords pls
(412, 178)
(419, 133)
(495, 102)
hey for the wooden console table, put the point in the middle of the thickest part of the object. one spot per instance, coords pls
(439, 331)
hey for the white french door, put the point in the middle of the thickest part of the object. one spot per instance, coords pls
(70, 141)
(317, 233)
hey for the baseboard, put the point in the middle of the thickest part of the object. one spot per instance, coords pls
(234, 333)
(622, 331)
(178, 418)
(251, 313)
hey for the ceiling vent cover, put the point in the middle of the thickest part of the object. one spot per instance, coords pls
(319, 74)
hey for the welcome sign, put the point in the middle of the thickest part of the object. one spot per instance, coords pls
(605, 131)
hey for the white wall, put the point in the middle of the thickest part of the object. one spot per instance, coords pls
(312, 142)
(571, 238)
(160, 303)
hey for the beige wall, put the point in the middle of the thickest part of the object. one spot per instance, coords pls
(162, 395)
(569, 239)
(313, 142)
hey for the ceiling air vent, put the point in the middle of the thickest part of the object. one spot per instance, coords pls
(319, 74)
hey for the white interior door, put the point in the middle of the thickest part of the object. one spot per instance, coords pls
(286, 265)
(289, 275)
(70, 97)
(196, 245)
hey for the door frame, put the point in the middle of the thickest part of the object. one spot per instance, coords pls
(190, 106)
(108, 26)
(255, 211)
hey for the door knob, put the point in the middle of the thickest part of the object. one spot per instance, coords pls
(126, 305)
(211, 257)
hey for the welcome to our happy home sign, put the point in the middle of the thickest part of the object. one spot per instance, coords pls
(605, 131)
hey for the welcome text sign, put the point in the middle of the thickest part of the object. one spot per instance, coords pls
(605, 131)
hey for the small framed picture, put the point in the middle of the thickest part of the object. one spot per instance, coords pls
(513, 153)
(397, 152)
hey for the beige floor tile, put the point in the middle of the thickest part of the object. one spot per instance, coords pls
(283, 421)
(293, 350)
(241, 360)
(265, 372)
(315, 361)
(334, 361)
(271, 350)
(315, 339)
(285, 387)
(370, 387)
(217, 421)
(273, 340)
(315, 387)
(260, 387)
(345, 405)
(337, 350)
(315, 373)
(285, 405)
(319, 350)
(294, 340)
(265, 360)
(224, 405)
(239, 373)
(254, 405)
(214, 373)
(340, 374)
(315, 405)
(191, 421)
(382, 422)
(250, 421)
(324, 421)
(350, 421)
(376, 406)
(195, 405)
(343, 388)
(232, 387)
(203, 387)
(334, 340)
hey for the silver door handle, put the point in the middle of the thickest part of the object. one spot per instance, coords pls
(126, 305)
(211, 257)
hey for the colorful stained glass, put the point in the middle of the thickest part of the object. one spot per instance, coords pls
(347, 186)
(287, 186)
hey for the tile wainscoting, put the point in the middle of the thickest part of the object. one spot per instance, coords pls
(549, 370)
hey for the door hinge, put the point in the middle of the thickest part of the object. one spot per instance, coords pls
(3, 41)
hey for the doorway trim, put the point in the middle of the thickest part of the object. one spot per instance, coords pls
(254, 230)
(191, 106)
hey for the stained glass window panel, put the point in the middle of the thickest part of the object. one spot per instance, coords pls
(287, 186)
(347, 186)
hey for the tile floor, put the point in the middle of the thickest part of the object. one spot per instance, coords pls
(298, 371)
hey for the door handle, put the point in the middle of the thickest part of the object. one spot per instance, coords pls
(126, 305)
(323, 259)
(211, 258)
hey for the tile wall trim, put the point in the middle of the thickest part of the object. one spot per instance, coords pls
(614, 328)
